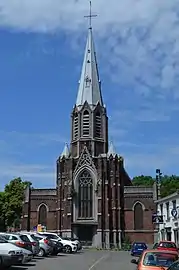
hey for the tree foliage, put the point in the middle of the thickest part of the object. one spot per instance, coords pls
(11, 202)
(169, 184)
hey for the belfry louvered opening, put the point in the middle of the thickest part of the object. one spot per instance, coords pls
(75, 127)
(98, 125)
(86, 123)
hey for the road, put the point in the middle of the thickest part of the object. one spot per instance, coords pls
(86, 260)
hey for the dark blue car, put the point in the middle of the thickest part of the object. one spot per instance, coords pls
(138, 248)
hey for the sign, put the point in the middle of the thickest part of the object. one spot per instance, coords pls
(174, 212)
(157, 219)
(39, 228)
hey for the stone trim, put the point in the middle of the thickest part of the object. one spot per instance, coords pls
(138, 202)
(47, 208)
(140, 231)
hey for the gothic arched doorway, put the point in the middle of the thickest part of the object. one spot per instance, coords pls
(42, 215)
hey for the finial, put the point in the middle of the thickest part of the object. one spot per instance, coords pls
(90, 16)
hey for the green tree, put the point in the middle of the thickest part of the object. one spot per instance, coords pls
(2, 212)
(13, 198)
(169, 184)
(143, 180)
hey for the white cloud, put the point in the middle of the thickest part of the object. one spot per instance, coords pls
(40, 175)
(141, 37)
(146, 162)
(21, 156)
(19, 138)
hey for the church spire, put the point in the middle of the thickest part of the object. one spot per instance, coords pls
(111, 150)
(89, 85)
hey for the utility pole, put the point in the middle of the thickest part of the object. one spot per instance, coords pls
(158, 185)
(158, 182)
(28, 200)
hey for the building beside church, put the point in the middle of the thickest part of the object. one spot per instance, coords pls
(94, 198)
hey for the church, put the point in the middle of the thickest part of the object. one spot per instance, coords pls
(94, 198)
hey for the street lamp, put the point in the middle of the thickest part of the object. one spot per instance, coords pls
(158, 182)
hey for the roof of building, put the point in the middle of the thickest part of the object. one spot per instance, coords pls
(89, 85)
(169, 197)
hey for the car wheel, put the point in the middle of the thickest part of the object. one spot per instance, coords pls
(67, 249)
(41, 252)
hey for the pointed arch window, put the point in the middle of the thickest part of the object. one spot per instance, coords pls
(138, 217)
(98, 125)
(86, 124)
(42, 218)
(85, 195)
(75, 127)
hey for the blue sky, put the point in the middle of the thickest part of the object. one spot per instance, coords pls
(41, 50)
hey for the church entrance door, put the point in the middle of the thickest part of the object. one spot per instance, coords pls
(85, 234)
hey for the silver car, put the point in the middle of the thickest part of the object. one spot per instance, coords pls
(44, 247)
(17, 240)
(35, 243)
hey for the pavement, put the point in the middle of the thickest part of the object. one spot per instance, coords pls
(85, 260)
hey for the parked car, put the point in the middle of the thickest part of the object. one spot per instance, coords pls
(74, 240)
(45, 247)
(138, 248)
(68, 246)
(167, 245)
(35, 244)
(174, 266)
(155, 260)
(155, 246)
(20, 240)
(57, 247)
(9, 254)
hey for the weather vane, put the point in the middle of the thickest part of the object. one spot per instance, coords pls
(90, 16)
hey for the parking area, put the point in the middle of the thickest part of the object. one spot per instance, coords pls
(85, 260)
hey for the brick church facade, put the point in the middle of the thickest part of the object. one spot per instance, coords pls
(94, 198)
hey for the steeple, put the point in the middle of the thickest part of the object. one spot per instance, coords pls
(66, 152)
(89, 115)
(111, 150)
(89, 85)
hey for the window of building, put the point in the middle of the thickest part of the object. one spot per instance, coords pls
(161, 209)
(75, 127)
(98, 125)
(42, 219)
(85, 195)
(167, 211)
(174, 204)
(86, 124)
(138, 217)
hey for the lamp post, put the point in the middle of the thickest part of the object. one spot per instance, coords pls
(158, 182)
(29, 206)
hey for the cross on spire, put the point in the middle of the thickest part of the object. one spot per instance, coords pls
(90, 16)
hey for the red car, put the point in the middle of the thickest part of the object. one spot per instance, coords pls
(167, 245)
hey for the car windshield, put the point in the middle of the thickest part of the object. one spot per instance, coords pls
(2, 240)
(36, 238)
(160, 259)
(167, 245)
(51, 236)
(139, 245)
(174, 266)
